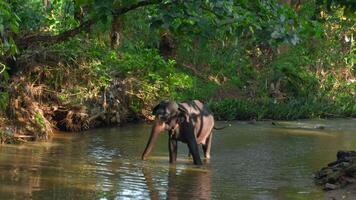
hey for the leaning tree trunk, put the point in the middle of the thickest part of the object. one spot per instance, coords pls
(115, 32)
(46, 4)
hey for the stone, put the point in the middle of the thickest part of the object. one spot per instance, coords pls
(329, 186)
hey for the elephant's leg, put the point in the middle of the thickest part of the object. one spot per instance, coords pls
(193, 148)
(187, 132)
(207, 146)
(172, 146)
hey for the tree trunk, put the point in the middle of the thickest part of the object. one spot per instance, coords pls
(167, 45)
(115, 32)
(46, 4)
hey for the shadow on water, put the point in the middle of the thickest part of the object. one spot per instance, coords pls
(259, 161)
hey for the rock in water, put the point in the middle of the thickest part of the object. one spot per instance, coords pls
(345, 154)
(330, 186)
(338, 173)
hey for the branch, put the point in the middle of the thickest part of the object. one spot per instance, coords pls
(23, 43)
(124, 10)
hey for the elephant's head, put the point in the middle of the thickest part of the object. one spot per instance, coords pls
(165, 110)
(166, 114)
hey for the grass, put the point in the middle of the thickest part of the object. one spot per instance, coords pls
(245, 109)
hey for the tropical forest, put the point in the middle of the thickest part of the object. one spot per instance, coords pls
(84, 84)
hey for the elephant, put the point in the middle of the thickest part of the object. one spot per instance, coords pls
(187, 122)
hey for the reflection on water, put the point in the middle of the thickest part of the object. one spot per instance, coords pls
(182, 183)
(260, 161)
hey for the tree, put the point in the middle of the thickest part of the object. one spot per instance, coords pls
(178, 16)
(264, 21)
(100, 12)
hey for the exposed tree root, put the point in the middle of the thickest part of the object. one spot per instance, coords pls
(48, 94)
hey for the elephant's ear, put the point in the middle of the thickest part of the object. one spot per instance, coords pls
(182, 109)
(181, 118)
(154, 111)
(174, 108)
(183, 114)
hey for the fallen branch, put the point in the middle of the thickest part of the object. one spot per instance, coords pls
(95, 116)
(24, 136)
(3, 69)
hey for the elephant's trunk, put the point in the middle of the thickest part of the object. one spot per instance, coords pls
(156, 130)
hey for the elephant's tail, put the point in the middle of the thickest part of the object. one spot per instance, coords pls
(220, 128)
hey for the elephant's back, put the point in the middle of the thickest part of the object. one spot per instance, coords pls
(195, 107)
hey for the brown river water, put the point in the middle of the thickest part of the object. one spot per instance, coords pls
(249, 161)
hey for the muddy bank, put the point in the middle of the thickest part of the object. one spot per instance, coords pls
(346, 193)
(51, 93)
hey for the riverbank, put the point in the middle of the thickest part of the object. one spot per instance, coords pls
(54, 90)
(40, 104)
(89, 80)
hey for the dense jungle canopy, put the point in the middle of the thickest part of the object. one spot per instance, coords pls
(76, 64)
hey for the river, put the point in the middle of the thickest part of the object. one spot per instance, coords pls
(249, 161)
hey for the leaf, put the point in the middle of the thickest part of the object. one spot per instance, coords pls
(13, 47)
(295, 39)
(275, 34)
(14, 27)
(82, 2)
(156, 24)
(251, 29)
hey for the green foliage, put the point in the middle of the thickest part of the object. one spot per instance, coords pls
(149, 77)
(31, 13)
(56, 17)
(273, 23)
(4, 96)
(348, 6)
(279, 24)
(301, 108)
(158, 78)
(231, 109)
(40, 120)
(9, 23)
(292, 67)
(4, 101)
(60, 16)
(230, 53)
(220, 45)
(199, 89)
